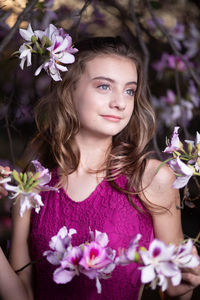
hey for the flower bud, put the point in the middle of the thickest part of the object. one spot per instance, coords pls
(33, 39)
(190, 146)
(46, 42)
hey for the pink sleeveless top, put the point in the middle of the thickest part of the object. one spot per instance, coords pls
(106, 210)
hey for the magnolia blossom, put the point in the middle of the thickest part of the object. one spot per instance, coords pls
(98, 259)
(27, 197)
(44, 176)
(53, 46)
(184, 164)
(69, 266)
(184, 258)
(175, 143)
(25, 55)
(157, 261)
(61, 52)
(93, 259)
(130, 254)
(183, 172)
(27, 33)
(97, 256)
(59, 244)
(25, 49)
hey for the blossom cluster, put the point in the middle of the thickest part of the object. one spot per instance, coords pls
(94, 259)
(184, 162)
(97, 261)
(52, 45)
(175, 106)
(28, 187)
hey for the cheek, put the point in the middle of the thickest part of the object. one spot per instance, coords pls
(130, 108)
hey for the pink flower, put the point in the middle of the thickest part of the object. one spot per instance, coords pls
(170, 98)
(60, 244)
(94, 256)
(69, 266)
(61, 52)
(44, 177)
(175, 142)
(174, 62)
(98, 259)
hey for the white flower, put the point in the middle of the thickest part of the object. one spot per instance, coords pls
(27, 33)
(183, 171)
(184, 258)
(27, 199)
(59, 244)
(157, 261)
(25, 55)
(26, 183)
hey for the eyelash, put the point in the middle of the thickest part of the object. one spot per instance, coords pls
(101, 86)
(133, 92)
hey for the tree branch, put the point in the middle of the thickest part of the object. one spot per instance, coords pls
(76, 26)
(21, 17)
(140, 39)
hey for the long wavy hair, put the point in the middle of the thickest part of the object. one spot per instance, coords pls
(57, 121)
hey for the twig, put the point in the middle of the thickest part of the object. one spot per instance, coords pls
(10, 140)
(173, 46)
(80, 14)
(178, 90)
(196, 182)
(8, 37)
(141, 41)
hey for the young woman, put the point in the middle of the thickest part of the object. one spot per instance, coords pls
(93, 129)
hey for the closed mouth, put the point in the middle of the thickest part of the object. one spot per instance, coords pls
(111, 117)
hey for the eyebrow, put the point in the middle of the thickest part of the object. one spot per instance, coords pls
(112, 80)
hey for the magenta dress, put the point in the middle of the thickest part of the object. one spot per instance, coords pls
(106, 210)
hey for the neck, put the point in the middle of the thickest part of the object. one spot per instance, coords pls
(93, 152)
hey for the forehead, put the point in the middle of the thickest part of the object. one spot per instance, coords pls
(113, 66)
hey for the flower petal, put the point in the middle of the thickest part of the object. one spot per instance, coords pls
(63, 276)
(147, 274)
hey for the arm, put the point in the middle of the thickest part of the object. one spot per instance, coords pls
(167, 223)
(12, 285)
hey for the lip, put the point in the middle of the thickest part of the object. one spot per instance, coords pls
(112, 118)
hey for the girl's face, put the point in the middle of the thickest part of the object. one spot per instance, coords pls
(104, 95)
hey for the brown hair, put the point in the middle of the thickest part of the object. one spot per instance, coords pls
(57, 121)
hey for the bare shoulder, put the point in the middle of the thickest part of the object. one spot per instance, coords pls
(158, 174)
(157, 184)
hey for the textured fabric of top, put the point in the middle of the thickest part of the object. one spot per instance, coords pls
(106, 210)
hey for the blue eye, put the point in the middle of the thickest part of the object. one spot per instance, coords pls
(103, 87)
(130, 92)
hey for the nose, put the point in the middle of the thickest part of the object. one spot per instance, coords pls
(117, 101)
